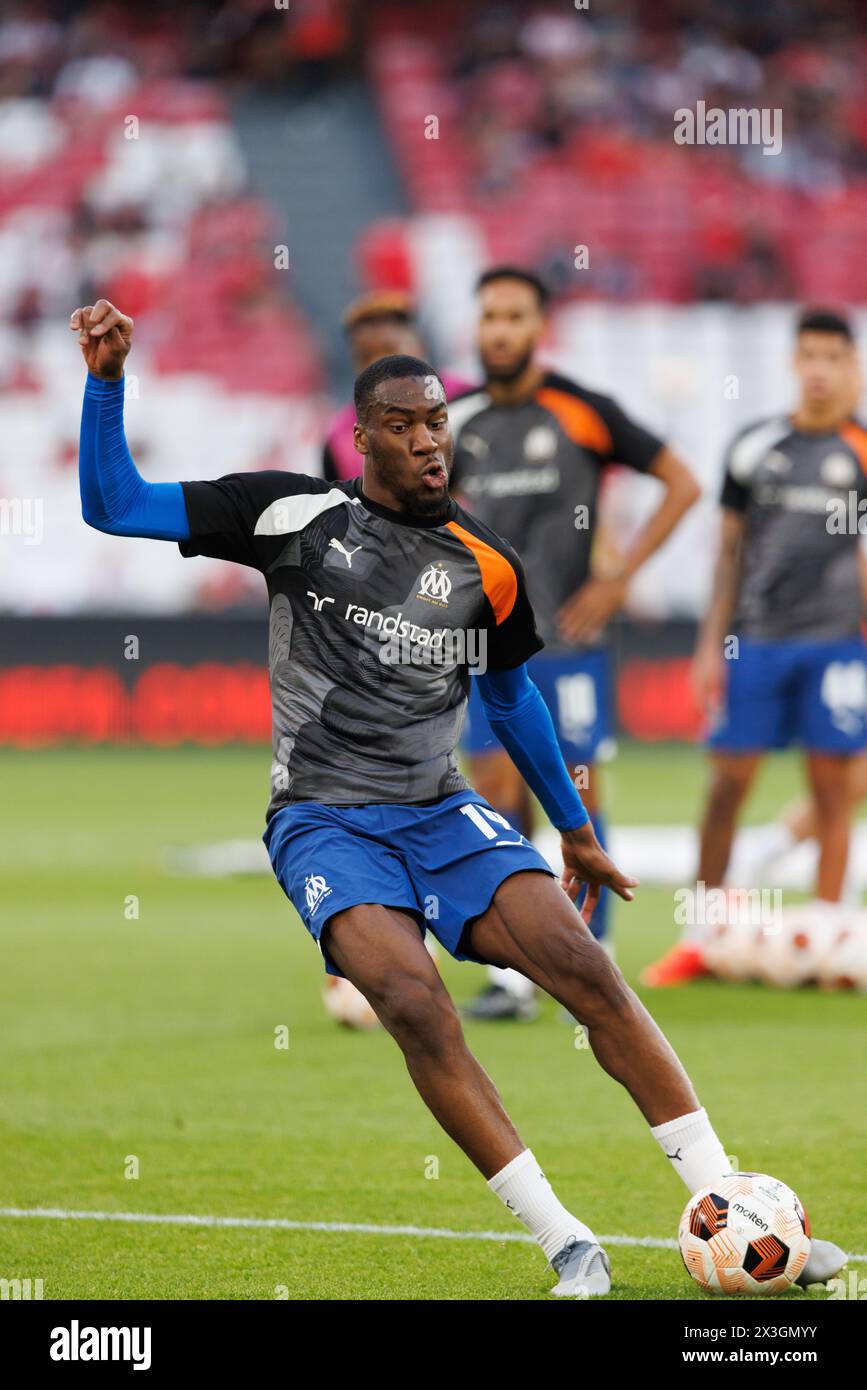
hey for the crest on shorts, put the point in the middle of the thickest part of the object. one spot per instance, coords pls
(315, 889)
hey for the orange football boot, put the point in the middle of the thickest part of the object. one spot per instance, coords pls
(683, 963)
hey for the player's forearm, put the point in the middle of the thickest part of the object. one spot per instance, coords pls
(726, 581)
(114, 496)
(519, 717)
(681, 492)
(717, 620)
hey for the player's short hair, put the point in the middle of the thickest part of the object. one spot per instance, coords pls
(516, 272)
(825, 321)
(391, 306)
(386, 369)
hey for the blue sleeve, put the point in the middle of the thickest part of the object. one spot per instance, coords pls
(519, 717)
(114, 495)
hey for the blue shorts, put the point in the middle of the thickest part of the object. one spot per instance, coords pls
(778, 693)
(576, 687)
(441, 863)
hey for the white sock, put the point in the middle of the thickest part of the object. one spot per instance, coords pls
(512, 981)
(691, 1145)
(525, 1190)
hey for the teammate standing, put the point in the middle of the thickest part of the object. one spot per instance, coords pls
(531, 448)
(372, 830)
(789, 595)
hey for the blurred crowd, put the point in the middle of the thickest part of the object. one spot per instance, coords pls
(120, 175)
(519, 131)
(50, 48)
(531, 80)
(556, 128)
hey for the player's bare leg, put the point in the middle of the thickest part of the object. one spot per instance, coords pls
(829, 776)
(532, 926)
(731, 777)
(381, 951)
(802, 818)
(508, 995)
(797, 823)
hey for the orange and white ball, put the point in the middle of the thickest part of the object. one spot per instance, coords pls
(747, 1234)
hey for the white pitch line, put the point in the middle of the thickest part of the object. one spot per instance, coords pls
(280, 1223)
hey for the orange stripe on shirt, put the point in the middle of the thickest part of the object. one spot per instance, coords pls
(499, 579)
(855, 436)
(579, 420)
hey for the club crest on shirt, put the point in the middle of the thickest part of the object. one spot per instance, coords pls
(540, 443)
(435, 585)
(838, 470)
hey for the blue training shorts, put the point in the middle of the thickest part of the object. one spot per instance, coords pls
(442, 863)
(811, 693)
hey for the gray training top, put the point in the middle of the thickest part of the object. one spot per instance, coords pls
(532, 472)
(799, 570)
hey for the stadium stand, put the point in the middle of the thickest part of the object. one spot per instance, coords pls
(121, 176)
(123, 172)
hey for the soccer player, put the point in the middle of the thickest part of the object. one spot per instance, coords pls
(531, 450)
(372, 830)
(379, 324)
(789, 594)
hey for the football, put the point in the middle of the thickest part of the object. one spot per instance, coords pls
(748, 1234)
(347, 1005)
(793, 953)
(730, 950)
(845, 963)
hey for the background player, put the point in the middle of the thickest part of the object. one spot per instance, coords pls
(790, 586)
(531, 448)
(378, 324)
(360, 744)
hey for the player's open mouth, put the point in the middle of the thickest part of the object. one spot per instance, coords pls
(435, 476)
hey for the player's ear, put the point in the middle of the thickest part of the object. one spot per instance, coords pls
(359, 438)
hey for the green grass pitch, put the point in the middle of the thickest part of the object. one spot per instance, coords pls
(154, 1039)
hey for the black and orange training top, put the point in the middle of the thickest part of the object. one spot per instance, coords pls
(532, 472)
(376, 618)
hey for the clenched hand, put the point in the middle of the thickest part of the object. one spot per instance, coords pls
(105, 337)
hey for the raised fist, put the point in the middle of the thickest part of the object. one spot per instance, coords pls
(105, 336)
